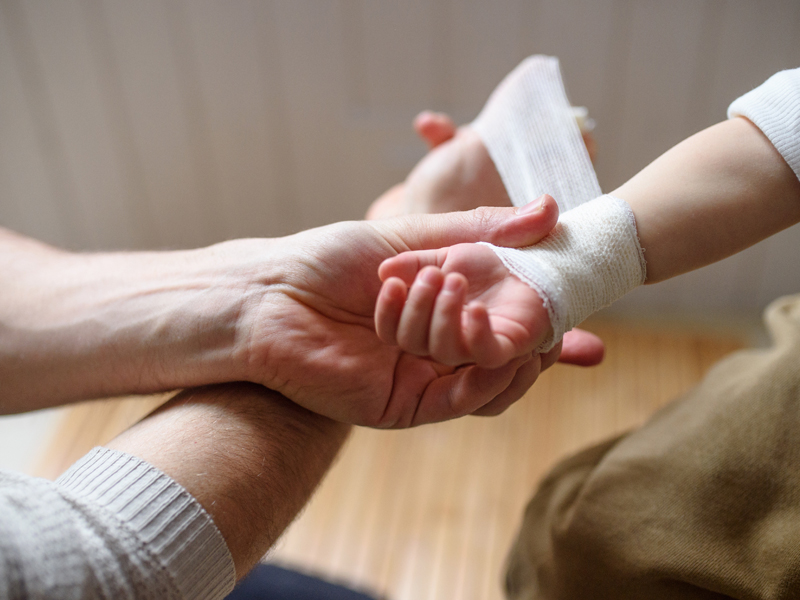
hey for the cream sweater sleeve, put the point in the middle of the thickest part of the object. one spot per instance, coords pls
(112, 526)
(774, 107)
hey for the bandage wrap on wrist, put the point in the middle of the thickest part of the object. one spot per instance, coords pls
(593, 256)
(589, 260)
(530, 132)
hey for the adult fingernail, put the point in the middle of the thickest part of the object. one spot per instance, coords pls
(532, 207)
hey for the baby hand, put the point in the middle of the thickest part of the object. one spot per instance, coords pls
(458, 305)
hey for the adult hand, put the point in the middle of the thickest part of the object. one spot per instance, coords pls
(309, 333)
(124, 323)
(457, 174)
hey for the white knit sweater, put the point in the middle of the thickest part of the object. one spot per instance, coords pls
(112, 526)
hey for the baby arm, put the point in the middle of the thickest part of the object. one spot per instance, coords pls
(590, 259)
(711, 196)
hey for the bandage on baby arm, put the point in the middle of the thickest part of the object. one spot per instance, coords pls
(593, 256)
(533, 137)
(589, 260)
(700, 189)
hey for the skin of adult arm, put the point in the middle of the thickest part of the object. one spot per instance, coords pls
(78, 326)
(711, 196)
(248, 455)
(294, 314)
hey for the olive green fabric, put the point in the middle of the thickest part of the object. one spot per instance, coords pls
(701, 502)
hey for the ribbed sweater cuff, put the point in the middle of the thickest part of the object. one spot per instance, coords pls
(774, 107)
(171, 525)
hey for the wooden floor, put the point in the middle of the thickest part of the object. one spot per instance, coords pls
(429, 513)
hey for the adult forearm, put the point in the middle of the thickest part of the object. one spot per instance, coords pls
(715, 194)
(251, 457)
(77, 326)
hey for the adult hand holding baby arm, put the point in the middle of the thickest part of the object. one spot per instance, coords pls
(294, 314)
(310, 333)
(458, 305)
(687, 209)
(515, 300)
(458, 174)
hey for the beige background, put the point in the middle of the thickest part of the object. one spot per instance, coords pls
(176, 123)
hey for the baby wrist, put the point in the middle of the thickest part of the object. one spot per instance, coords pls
(589, 260)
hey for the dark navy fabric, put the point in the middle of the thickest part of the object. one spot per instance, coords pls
(268, 582)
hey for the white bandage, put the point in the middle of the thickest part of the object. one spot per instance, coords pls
(531, 133)
(593, 256)
(590, 259)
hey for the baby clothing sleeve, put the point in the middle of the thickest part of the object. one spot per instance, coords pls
(774, 107)
(112, 526)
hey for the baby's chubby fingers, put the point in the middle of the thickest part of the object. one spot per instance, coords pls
(389, 307)
(414, 325)
(446, 338)
(490, 351)
(407, 265)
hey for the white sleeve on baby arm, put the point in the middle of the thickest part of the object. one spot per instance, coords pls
(774, 107)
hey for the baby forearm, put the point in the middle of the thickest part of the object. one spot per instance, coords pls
(711, 196)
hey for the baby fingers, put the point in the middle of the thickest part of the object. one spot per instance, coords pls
(446, 338)
(388, 309)
(414, 325)
(488, 349)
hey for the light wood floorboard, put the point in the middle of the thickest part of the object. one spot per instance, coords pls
(429, 513)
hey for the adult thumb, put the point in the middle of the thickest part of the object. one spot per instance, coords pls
(510, 227)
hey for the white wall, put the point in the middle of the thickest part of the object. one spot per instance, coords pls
(174, 123)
